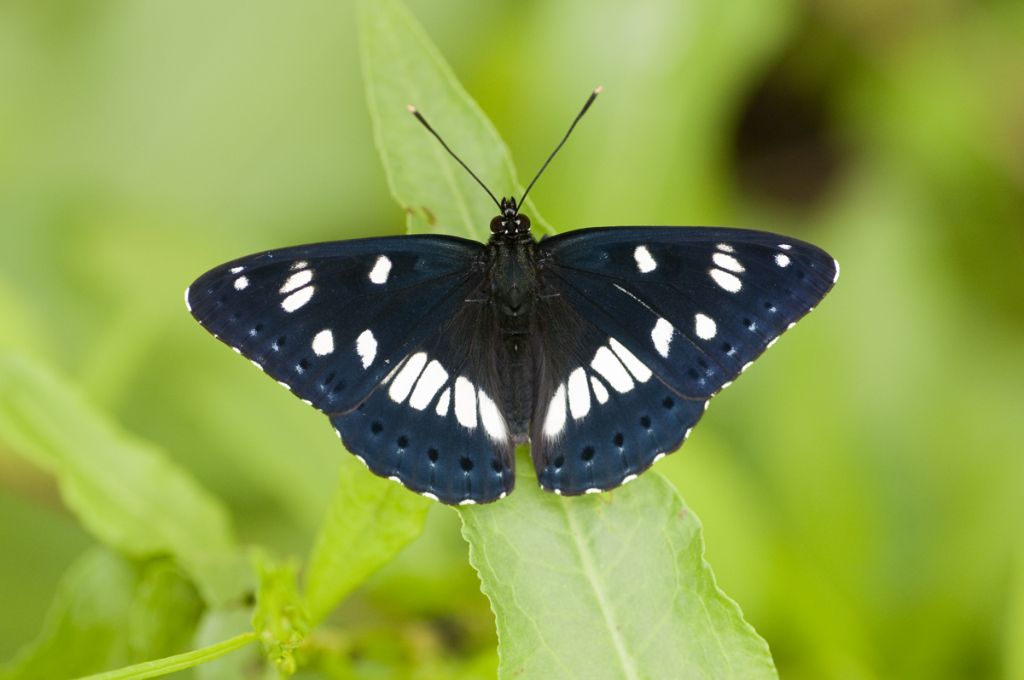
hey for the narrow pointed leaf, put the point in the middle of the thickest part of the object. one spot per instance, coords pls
(124, 490)
(402, 67)
(368, 522)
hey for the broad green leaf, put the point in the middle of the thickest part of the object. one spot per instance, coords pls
(122, 489)
(402, 67)
(607, 586)
(368, 522)
(109, 612)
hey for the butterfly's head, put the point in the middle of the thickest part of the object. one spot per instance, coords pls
(510, 222)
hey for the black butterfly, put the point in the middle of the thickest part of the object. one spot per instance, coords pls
(433, 356)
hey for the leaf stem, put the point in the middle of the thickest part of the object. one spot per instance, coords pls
(178, 662)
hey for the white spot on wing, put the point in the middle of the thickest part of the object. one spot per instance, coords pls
(661, 336)
(297, 299)
(491, 418)
(727, 262)
(599, 391)
(705, 326)
(406, 377)
(443, 402)
(465, 402)
(235, 270)
(432, 379)
(427, 494)
(297, 280)
(323, 342)
(628, 478)
(785, 246)
(188, 305)
(635, 366)
(728, 282)
(555, 420)
(592, 489)
(467, 501)
(241, 283)
(644, 262)
(366, 347)
(611, 369)
(834, 278)
(579, 393)
(726, 248)
(381, 270)
(301, 264)
(782, 260)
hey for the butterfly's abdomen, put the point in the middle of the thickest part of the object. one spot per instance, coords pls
(513, 284)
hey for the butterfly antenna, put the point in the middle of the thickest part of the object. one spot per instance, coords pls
(423, 121)
(586, 105)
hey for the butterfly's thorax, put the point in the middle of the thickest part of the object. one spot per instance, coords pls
(512, 280)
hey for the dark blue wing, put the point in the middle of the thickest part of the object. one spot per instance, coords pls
(662, 318)
(359, 330)
(601, 416)
(331, 320)
(437, 424)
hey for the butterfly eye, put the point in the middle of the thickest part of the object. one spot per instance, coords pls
(522, 223)
(498, 225)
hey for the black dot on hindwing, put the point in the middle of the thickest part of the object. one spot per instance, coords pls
(587, 454)
(376, 427)
(496, 465)
(433, 455)
(558, 462)
(668, 402)
(466, 464)
(645, 422)
(619, 439)
(302, 366)
(403, 442)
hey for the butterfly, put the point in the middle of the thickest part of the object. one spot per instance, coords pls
(434, 356)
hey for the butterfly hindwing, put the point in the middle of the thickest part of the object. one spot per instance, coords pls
(330, 321)
(437, 423)
(696, 305)
(602, 417)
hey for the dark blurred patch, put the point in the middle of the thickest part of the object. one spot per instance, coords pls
(784, 147)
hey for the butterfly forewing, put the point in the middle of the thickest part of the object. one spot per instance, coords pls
(695, 305)
(330, 321)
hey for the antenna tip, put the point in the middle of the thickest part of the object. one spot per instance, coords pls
(410, 108)
(599, 89)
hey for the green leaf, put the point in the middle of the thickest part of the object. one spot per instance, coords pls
(109, 612)
(607, 586)
(122, 489)
(369, 521)
(402, 67)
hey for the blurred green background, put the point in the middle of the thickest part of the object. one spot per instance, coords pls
(862, 488)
